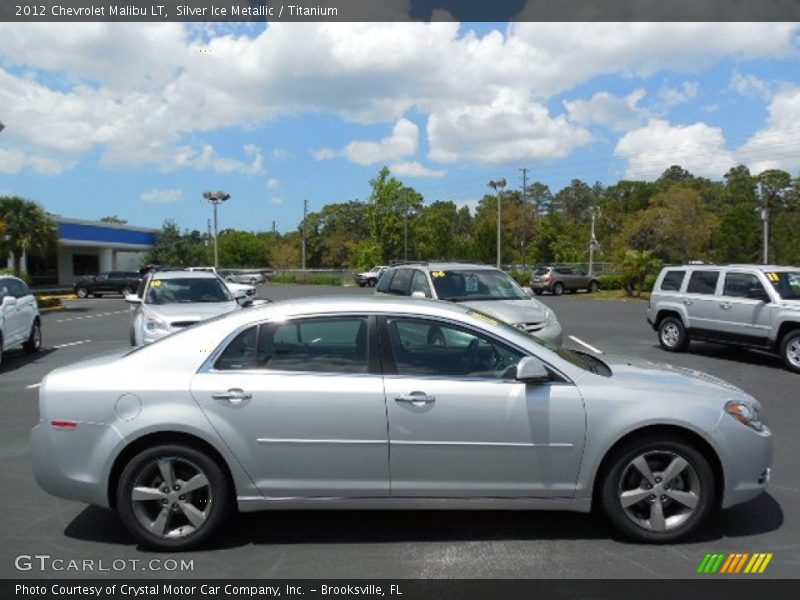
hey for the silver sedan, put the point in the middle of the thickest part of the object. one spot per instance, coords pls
(362, 403)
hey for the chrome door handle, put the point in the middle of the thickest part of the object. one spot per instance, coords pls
(416, 398)
(725, 305)
(233, 396)
(687, 302)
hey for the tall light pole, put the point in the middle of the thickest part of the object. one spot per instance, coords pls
(524, 218)
(216, 198)
(765, 226)
(305, 217)
(593, 245)
(405, 225)
(498, 187)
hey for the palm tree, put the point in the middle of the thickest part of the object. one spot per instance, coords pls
(27, 228)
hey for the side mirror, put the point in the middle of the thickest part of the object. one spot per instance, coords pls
(758, 293)
(241, 299)
(9, 301)
(418, 294)
(133, 299)
(531, 370)
(528, 291)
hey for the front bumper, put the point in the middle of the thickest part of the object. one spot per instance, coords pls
(746, 457)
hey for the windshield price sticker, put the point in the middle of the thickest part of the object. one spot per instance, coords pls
(437, 274)
(156, 283)
(773, 276)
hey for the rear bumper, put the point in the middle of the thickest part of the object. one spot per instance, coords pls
(541, 286)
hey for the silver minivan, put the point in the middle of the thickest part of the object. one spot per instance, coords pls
(755, 306)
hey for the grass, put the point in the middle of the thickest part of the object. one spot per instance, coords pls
(613, 295)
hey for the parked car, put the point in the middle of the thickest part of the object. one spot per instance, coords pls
(370, 278)
(237, 289)
(250, 277)
(487, 289)
(172, 300)
(756, 306)
(110, 282)
(350, 403)
(562, 279)
(20, 322)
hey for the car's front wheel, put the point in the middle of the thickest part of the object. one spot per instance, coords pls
(672, 334)
(173, 497)
(82, 292)
(594, 287)
(34, 341)
(790, 350)
(657, 489)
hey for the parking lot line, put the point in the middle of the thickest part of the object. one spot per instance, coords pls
(33, 385)
(582, 343)
(105, 314)
(68, 344)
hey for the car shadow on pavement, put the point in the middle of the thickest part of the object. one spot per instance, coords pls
(735, 354)
(379, 526)
(17, 358)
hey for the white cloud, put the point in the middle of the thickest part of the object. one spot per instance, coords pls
(205, 157)
(75, 90)
(652, 149)
(511, 128)
(276, 200)
(325, 153)
(680, 95)
(273, 183)
(415, 169)
(776, 146)
(750, 85)
(14, 161)
(156, 196)
(604, 108)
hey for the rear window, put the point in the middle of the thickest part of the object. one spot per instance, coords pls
(541, 271)
(703, 282)
(384, 281)
(672, 281)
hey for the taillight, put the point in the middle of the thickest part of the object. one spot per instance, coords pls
(64, 424)
(548, 277)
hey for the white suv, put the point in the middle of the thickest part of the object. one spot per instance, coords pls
(20, 322)
(756, 306)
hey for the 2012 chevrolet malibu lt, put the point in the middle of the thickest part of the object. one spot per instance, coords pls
(360, 403)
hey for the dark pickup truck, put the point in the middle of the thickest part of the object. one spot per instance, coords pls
(112, 282)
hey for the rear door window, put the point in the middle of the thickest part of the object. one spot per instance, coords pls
(419, 283)
(703, 282)
(672, 281)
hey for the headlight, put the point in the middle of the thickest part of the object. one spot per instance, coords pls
(550, 318)
(153, 324)
(745, 413)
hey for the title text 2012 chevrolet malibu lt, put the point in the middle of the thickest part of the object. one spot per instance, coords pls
(356, 403)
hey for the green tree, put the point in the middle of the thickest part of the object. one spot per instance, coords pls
(175, 249)
(738, 238)
(634, 267)
(243, 249)
(28, 229)
(391, 203)
(113, 219)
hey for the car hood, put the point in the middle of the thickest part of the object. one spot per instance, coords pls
(646, 374)
(525, 310)
(190, 311)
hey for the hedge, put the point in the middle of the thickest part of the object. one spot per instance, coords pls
(307, 278)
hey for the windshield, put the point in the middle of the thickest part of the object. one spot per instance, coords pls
(185, 290)
(480, 284)
(786, 283)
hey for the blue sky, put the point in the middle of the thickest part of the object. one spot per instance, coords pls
(139, 119)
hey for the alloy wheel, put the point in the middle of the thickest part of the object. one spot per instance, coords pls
(670, 334)
(171, 497)
(793, 353)
(659, 491)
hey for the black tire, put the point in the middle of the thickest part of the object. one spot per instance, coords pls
(537, 292)
(558, 288)
(790, 350)
(126, 291)
(1, 350)
(253, 281)
(96, 295)
(695, 482)
(34, 342)
(82, 292)
(216, 497)
(672, 334)
(594, 287)
(361, 284)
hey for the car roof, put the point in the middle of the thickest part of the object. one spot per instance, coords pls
(448, 266)
(183, 275)
(735, 266)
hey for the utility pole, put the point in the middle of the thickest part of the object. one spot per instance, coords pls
(765, 225)
(305, 217)
(498, 187)
(208, 241)
(524, 217)
(405, 225)
(273, 226)
(592, 241)
(216, 198)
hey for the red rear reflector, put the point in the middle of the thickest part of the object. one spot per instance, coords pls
(64, 424)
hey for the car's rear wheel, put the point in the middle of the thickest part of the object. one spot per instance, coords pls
(657, 489)
(558, 288)
(790, 350)
(82, 292)
(34, 341)
(537, 292)
(672, 334)
(173, 497)
(594, 287)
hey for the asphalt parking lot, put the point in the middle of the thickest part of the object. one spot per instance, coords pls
(384, 544)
